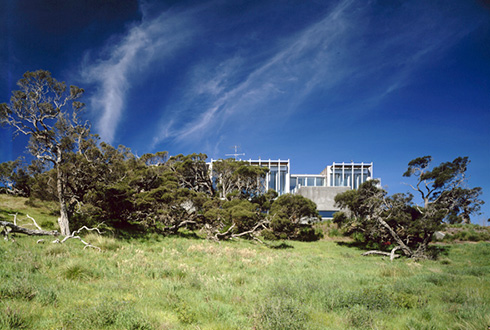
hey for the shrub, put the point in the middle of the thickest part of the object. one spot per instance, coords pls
(309, 234)
(289, 214)
(268, 235)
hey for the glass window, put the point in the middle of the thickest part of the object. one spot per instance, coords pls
(272, 180)
(282, 185)
(320, 182)
(310, 182)
(327, 214)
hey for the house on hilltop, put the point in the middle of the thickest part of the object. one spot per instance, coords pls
(320, 188)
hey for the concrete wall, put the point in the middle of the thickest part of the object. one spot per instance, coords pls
(322, 196)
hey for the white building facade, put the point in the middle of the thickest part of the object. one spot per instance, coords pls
(320, 188)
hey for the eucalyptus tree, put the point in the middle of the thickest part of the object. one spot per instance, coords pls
(238, 179)
(399, 219)
(192, 172)
(48, 112)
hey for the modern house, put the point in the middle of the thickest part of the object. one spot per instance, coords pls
(320, 188)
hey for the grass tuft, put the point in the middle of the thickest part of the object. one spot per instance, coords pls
(17, 288)
(77, 271)
(13, 319)
(281, 313)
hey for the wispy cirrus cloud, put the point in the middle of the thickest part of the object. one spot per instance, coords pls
(364, 54)
(144, 48)
(352, 56)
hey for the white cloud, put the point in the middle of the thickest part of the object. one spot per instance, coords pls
(353, 52)
(130, 60)
(367, 57)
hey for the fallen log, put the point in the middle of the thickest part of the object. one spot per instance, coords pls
(33, 232)
(9, 227)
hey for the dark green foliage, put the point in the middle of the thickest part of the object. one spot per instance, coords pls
(15, 178)
(293, 207)
(191, 172)
(48, 112)
(238, 179)
(291, 218)
(265, 200)
(95, 183)
(382, 221)
(242, 213)
(307, 233)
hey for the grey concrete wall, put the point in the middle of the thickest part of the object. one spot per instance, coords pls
(322, 196)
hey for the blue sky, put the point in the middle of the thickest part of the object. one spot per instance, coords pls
(313, 81)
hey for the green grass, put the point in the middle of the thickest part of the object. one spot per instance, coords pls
(45, 213)
(466, 232)
(178, 283)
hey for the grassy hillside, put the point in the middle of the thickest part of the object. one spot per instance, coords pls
(179, 283)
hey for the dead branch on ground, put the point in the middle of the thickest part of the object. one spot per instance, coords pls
(32, 232)
(391, 254)
(9, 227)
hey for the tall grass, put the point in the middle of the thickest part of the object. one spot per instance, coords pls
(178, 283)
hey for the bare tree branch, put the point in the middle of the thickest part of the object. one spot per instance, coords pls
(34, 221)
(22, 230)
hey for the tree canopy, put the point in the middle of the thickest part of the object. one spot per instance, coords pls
(94, 182)
(49, 113)
(381, 220)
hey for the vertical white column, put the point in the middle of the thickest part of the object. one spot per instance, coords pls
(267, 177)
(333, 174)
(362, 172)
(327, 179)
(288, 179)
(343, 175)
(278, 183)
(352, 176)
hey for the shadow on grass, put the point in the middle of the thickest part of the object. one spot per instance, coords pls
(6, 215)
(353, 244)
(436, 251)
(281, 246)
(186, 234)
